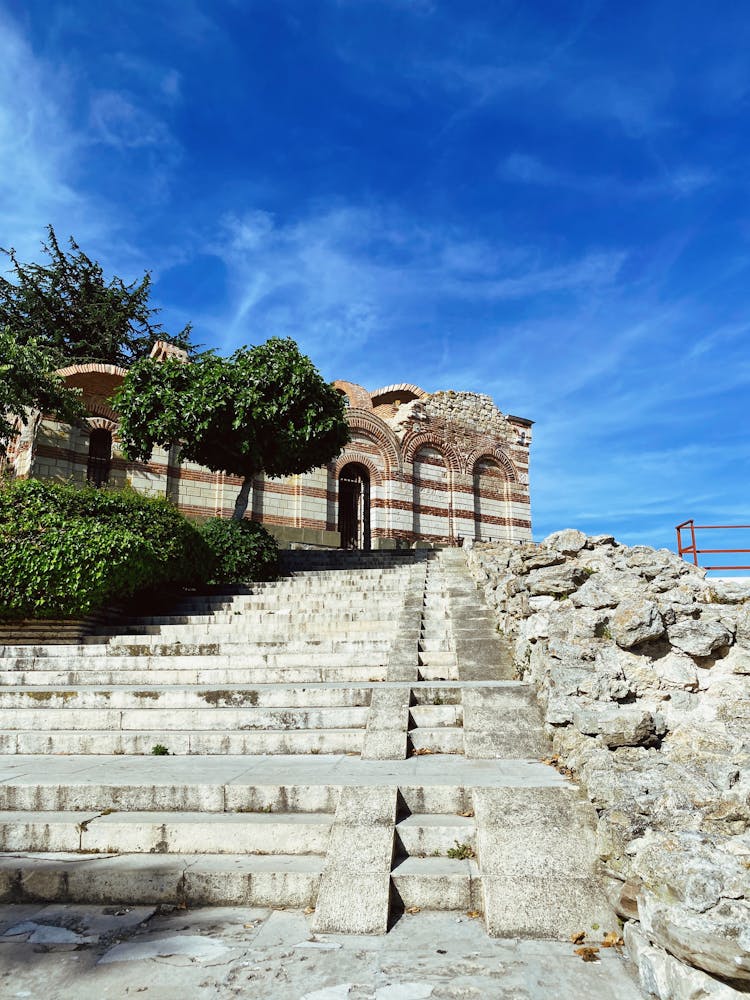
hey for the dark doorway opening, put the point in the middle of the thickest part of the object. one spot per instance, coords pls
(100, 457)
(354, 506)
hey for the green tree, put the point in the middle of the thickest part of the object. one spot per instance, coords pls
(264, 409)
(27, 380)
(70, 307)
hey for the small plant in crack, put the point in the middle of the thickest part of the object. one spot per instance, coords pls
(461, 851)
(159, 750)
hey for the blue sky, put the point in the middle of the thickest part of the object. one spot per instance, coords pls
(543, 201)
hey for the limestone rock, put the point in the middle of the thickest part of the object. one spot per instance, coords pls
(698, 637)
(569, 541)
(676, 671)
(593, 595)
(636, 621)
(557, 581)
(642, 668)
(618, 727)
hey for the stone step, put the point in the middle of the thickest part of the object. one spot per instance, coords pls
(185, 696)
(429, 784)
(206, 673)
(284, 626)
(437, 658)
(437, 884)
(435, 716)
(442, 739)
(433, 835)
(136, 657)
(166, 832)
(297, 618)
(252, 645)
(207, 719)
(187, 880)
(267, 741)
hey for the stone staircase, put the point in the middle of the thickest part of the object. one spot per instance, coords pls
(349, 738)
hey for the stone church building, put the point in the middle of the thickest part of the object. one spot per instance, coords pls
(421, 468)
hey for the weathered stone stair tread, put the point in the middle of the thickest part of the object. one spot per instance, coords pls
(186, 696)
(140, 879)
(222, 773)
(207, 719)
(214, 676)
(166, 832)
(122, 742)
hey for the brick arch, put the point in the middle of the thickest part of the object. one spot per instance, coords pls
(102, 424)
(376, 476)
(369, 423)
(101, 409)
(413, 442)
(406, 388)
(95, 368)
(496, 455)
(357, 395)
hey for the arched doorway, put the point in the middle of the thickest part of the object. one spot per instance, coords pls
(354, 506)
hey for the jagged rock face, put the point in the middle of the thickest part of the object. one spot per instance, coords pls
(642, 666)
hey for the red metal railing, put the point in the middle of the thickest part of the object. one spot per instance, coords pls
(686, 551)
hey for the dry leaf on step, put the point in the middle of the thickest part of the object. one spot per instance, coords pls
(413, 909)
(579, 937)
(612, 940)
(308, 910)
(588, 954)
(473, 914)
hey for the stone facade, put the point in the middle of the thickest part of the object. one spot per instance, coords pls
(432, 469)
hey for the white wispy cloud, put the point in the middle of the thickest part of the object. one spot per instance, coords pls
(680, 181)
(344, 276)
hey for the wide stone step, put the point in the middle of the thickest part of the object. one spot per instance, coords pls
(311, 783)
(251, 643)
(310, 621)
(166, 832)
(185, 696)
(188, 880)
(136, 657)
(213, 718)
(438, 883)
(284, 626)
(214, 675)
(267, 741)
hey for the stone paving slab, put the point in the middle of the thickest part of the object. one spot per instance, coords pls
(223, 952)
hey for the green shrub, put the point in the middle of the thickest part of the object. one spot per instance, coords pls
(242, 550)
(65, 551)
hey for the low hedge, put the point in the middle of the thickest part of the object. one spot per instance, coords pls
(65, 550)
(241, 550)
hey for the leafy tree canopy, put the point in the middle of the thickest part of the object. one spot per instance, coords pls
(264, 409)
(27, 379)
(68, 306)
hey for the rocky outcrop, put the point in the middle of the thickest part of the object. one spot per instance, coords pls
(642, 667)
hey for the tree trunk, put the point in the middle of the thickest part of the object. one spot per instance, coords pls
(240, 504)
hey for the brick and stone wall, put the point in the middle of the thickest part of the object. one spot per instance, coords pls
(442, 467)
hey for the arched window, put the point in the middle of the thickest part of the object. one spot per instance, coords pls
(100, 456)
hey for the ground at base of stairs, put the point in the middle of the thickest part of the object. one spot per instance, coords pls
(90, 952)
